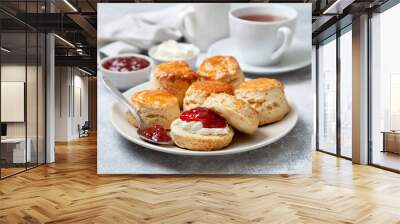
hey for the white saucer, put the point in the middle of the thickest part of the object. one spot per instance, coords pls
(297, 56)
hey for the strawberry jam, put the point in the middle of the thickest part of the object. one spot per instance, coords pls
(207, 117)
(126, 64)
(156, 133)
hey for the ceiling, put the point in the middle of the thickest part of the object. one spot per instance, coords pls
(329, 16)
(74, 22)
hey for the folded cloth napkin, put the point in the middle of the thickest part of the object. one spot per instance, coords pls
(144, 30)
(118, 47)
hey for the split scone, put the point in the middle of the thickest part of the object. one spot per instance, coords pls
(174, 77)
(200, 90)
(237, 112)
(156, 107)
(265, 95)
(221, 68)
(201, 129)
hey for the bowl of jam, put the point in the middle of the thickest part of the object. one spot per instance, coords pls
(126, 70)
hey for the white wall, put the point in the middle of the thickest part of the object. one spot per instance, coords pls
(71, 94)
(15, 72)
(33, 126)
(13, 101)
(61, 103)
(81, 84)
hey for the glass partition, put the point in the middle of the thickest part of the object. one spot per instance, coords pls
(23, 89)
(334, 94)
(346, 93)
(32, 98)
(14, 145)
(385, 90)
(327, 96)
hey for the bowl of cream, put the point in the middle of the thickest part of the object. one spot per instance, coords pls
(171, 51)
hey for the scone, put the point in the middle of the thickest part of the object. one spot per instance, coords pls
(200, 90)
(221, 68)
(237, 112)
(265, 95)
(156, 107)
(201, 129)
(174, 77)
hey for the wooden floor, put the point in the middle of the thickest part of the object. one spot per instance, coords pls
(70, 191)
(5, 172)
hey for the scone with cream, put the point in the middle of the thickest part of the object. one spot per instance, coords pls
(221, 68)
(200, 90)
(174, 77)
(265, 95)
(201, 129)
(156, 107)
(237, 112)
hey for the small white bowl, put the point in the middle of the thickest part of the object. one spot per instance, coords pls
(126, 80)
(191, 61)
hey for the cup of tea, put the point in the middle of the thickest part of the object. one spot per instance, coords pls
(262, 34)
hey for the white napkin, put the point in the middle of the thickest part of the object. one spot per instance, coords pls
(144, 30)
(117, 48)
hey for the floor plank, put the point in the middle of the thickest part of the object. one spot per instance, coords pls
(70, 191)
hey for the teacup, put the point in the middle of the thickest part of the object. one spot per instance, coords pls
(262, 34)
(204, 23)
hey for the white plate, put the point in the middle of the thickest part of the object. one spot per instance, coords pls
(297, 56)
(241, 142)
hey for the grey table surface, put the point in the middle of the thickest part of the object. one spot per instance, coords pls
(290, 155)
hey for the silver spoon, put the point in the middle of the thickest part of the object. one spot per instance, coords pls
(118, 96)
